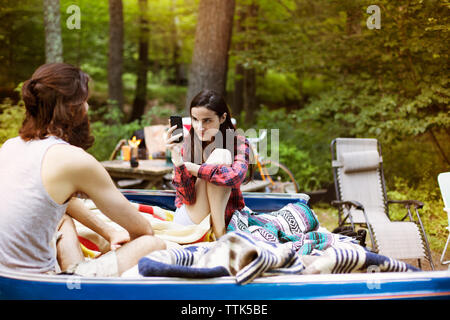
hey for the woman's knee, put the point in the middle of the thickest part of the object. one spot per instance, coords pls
(220, 156)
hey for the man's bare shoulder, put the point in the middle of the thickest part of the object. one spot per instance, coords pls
(71, 157)
(67, 169)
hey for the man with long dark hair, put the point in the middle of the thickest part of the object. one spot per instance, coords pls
(44, 168)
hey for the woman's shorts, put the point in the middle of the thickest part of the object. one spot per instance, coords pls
(181, 216)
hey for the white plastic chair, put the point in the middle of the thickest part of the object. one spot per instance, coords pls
(444, 185)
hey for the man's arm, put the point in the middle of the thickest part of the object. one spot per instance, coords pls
(77, 210)
(68, 169)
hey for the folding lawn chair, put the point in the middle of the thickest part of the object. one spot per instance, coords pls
(362, 200)
(444, 185)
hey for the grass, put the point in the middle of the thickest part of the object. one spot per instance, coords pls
(327, 215)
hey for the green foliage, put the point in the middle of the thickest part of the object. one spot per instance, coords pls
(415, 160)
(154, 114)
(433, 216)
(389, 83)
(108, 131)
(300, 164)
(278, 88)
(11, 118)
(21, 40)
(168, 94)
(98, 84)
(298, 151)
(89, 44)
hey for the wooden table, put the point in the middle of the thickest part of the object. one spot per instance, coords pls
(151, 171)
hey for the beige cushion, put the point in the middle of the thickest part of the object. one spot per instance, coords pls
(360, 161)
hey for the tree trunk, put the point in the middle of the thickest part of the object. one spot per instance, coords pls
(177, 75)
(52, 24)
(238, 94)
(140, 99)
(250, 101)
(212, 42)
(115, 53)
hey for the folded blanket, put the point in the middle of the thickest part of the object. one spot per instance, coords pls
(234, 254)
(286, 241)
(238, 254)
(296, 224)
(349, 257)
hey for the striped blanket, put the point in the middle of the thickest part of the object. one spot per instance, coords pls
(287, 241)
(295, 224)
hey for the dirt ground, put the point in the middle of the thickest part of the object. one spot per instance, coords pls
(436, 260)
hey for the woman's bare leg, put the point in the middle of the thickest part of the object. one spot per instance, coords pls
(218, 195)
(200, 209)
(210, 198)
(218, 198)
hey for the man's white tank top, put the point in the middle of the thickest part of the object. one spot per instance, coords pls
(28, 215)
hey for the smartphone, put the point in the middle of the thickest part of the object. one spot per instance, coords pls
(178, 121)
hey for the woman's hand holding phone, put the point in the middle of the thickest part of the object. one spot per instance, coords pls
(175, 148)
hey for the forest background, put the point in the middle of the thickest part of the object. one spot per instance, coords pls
(316, 70)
